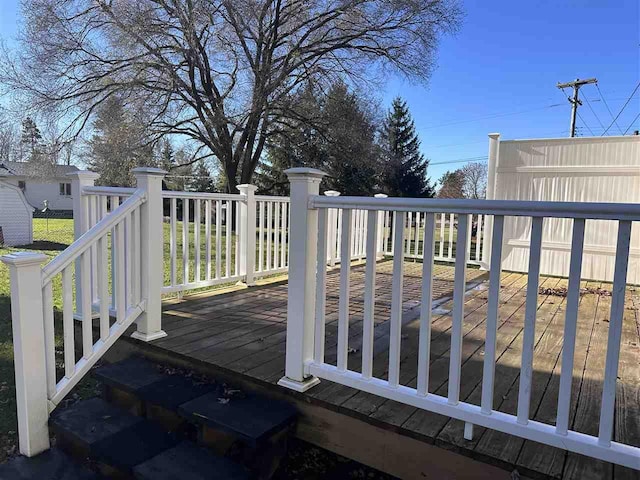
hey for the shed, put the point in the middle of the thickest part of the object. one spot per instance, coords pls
(16, 215)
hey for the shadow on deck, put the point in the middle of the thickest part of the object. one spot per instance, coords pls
(240, 335)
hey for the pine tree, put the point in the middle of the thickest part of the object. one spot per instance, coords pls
(405, 168)
(201, 181)
(30, 140)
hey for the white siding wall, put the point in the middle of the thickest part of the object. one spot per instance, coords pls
(15, 216)
(572, 170)
(37, 191)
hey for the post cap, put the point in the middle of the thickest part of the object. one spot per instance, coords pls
(84, 175)
(305, 172)
(381, 195)
(139, 171)
(246, 187)
(332, 193)
(495, 136)
(22, 259)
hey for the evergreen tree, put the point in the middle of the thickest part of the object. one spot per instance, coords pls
(404, 173)
(30, 141)
(118, 145)
(201, 180)
(451, 185)
(336, 134)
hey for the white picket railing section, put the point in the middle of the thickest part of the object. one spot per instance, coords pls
(305, 361)
(114, 260)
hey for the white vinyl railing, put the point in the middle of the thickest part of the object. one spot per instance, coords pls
(305, 359)
(114, 260)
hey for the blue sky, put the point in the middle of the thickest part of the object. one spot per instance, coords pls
(498, 74)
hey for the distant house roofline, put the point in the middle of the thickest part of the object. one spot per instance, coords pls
(22, 169)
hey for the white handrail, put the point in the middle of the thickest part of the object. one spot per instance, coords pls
(200, 195)
(586, 210)
(108, 191)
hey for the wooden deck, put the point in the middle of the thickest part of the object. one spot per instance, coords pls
(243, 333)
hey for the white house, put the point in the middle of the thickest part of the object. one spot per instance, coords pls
(54, 187)
(16, 215)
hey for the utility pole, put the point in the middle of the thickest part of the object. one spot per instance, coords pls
(575, 101)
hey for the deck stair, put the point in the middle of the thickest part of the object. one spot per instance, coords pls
(161, 424)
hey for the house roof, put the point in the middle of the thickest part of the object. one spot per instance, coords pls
(25, 169)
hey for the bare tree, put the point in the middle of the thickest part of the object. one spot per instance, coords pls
(474, 180)
(9, 140)
(218, 71)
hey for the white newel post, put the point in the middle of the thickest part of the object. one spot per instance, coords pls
(303, 244)
(248, 233)
(332, 230)
(79, 180)
(27, 317)
(494, 149)
(381, 231)
(149, 324)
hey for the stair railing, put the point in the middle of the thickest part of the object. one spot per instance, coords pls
(114, 294)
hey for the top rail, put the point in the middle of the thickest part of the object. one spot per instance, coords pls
(272, 198)
(586, 210)
(201, 195)
(91, 236)
(108, 191)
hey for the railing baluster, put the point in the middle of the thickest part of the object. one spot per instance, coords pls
(442, 226)
(424, 347)
(68, 324)
(196, 240)
(93, 219)
(407, 250)
(479, 228)
(276, 234)
(468, 239)
(283, 234)
(49, 339)
(459, 279)
(218, 239)
(451, 232)
(339, 236)
(570, 323)
(119, 274)
(531, 308)
(489, 367)
(321, 289)
(115, 202)
(207, 234)
(87, 323)
(261, 238)
(103, 288)
(269, 219)
(395, 337)
(136, 256)
(368, 324)
(416, 250)
(227, 229)
(345, 280)
(605, 432)
(128, 261)
(238, 230)
(173, 240)
(185, 241)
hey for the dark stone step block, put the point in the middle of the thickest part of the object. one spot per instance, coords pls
(129, 375)
(50, 465)
(187, 461)
(252, 419)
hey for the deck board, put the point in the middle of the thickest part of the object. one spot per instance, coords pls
(244, 332)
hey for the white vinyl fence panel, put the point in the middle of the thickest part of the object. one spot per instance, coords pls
(568, 170)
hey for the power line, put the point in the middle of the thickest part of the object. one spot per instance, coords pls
(486, 117)
(585, 124)
(593, 111)
(622, 109)
(632, 122)
(462, 160)
(610, 112)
